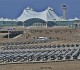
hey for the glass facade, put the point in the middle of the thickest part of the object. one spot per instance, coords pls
(31, 23)
(65, 23)
(8, 23)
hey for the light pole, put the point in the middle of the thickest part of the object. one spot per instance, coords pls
(16, 22)
(24, 30)
(9, 29)
(23, 24)
(24, 33)
(8, 33)
(46, 23)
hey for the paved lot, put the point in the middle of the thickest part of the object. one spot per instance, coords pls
(68, 65)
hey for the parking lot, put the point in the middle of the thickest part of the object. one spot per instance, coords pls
(26, 54)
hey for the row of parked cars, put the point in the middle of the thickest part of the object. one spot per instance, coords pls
(39, 54)
(24, 45)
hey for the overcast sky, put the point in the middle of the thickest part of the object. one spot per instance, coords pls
(13, 8)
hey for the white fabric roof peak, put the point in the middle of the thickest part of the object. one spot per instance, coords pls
(47, 15)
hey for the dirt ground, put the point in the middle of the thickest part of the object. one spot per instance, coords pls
(65, 36)
(67, 65)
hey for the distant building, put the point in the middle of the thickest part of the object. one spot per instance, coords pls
(29, 17)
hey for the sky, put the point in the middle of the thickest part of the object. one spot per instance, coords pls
(13, 8)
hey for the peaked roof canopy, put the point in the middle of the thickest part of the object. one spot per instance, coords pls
(47, 15)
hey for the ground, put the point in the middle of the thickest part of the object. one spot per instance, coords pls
(67, 65)
(60, 36)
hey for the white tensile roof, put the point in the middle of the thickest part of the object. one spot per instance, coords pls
(6, 19)
(47, 15)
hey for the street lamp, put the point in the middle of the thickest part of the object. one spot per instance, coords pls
(23, 24)
(46, 23)
(10, 29)
(0, 29)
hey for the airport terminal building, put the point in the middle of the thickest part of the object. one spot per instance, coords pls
(29, 17)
